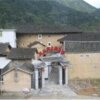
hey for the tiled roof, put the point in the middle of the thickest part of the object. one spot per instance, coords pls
(46, 29)
(35, 43)
(22, 53)
(3, 48)
(81, 37)
(25, 66)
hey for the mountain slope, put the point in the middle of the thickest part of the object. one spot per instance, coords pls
(79, 5)
(43, 12)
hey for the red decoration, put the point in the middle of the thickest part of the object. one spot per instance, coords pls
(48, 48)
(51, 49)
(40, 53)
(59, 49)
(62, 52)
(55, 48)
(44, 50)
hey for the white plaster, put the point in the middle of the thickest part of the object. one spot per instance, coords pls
(43, 79)
(8, 36)
(60, 75)
(46, 72)
(4, 62)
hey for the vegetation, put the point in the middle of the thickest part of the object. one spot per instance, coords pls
(48, 12)
(79, 5)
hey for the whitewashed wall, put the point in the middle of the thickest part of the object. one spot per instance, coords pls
(8, 35)
(4, 62)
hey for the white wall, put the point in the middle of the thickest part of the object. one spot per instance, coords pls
(4, 62)
(8, 35)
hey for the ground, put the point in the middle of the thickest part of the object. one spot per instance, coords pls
(53, 96)
(52, 92)
(76, 89)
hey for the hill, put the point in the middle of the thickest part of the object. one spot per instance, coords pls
(79, 5)
(45, 12)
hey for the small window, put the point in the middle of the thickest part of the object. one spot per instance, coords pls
(0, 34)
(39, 36)
(16, 76)
(49, 44)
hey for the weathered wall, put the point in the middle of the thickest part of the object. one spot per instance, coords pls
(24, 81)
(24, 40)
(84, 65)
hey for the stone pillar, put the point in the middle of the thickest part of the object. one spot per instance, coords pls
(36, 79)
(66, 76)
(60, 75)
(43, 78)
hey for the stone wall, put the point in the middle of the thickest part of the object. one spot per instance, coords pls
(84, 65)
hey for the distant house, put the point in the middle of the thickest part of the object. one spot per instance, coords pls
(45, 35)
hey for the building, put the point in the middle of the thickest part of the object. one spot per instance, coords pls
(20, 74)
(8, 36)
(83, 52)
(54, 54)
(42, 35)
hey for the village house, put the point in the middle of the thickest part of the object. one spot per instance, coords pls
(42, 36)
(83, 52)
(19, 74)
(44, 56)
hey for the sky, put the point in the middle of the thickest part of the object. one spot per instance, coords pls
(95, 3)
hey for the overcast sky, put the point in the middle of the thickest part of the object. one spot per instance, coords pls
(95, 3)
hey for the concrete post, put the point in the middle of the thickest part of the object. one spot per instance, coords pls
(66, 76)
(60, 75)
(43, 79)
(36, 79)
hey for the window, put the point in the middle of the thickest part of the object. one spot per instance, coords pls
(49, 44)
(16, 76)
(0, 34)
(39, 36)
